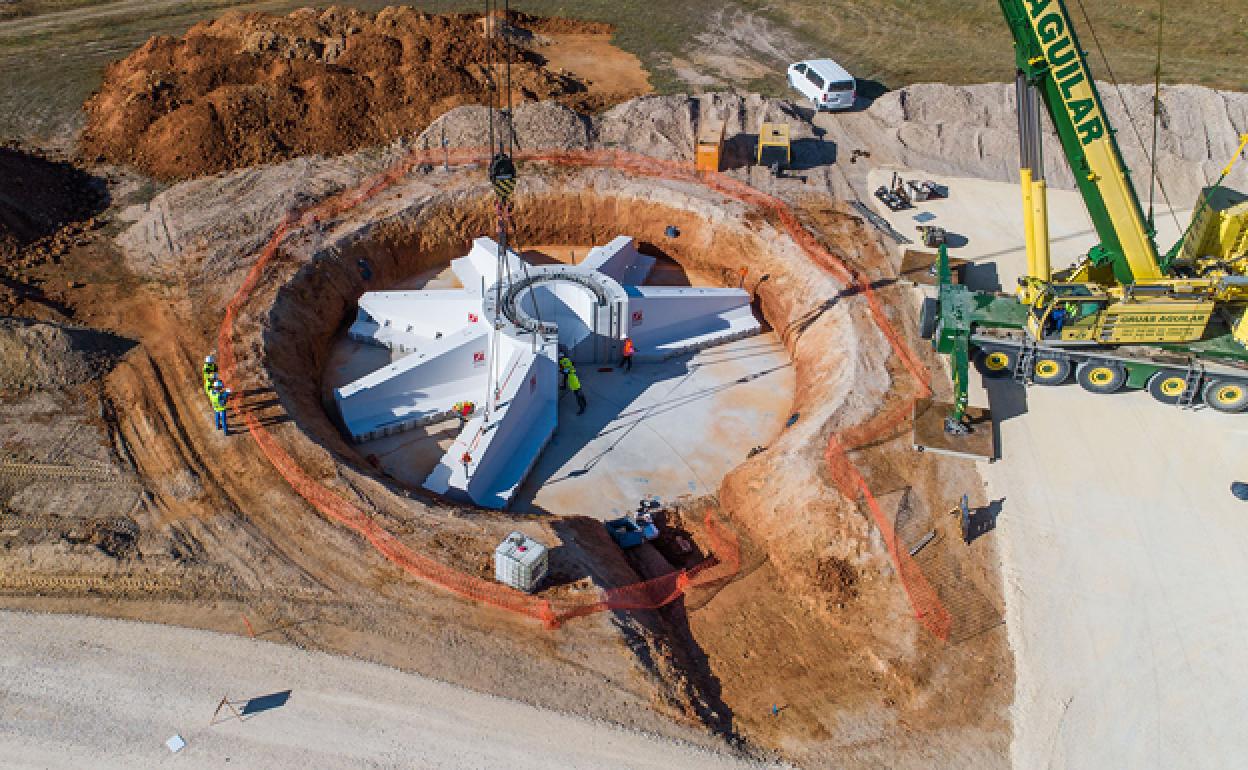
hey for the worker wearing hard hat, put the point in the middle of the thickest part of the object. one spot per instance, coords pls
(626, 361)
(219, 396)
(210, 373)
(574, 385)
(565, 366)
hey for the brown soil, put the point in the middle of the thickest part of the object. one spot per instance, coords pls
(46, 204)
(251, 88)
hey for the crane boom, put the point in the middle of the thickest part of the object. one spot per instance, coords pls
(1048, 54)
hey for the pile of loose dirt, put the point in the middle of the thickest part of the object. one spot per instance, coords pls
(41, 199)
(41, 356)
(250, 88)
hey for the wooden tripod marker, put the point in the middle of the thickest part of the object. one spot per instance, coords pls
(225, 703)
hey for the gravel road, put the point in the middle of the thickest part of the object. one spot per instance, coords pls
(88, 692)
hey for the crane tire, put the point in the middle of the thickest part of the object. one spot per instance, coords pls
(1227, 396)
(1101, 376)
(1167, 386)
(995, 364)
(1050, 370)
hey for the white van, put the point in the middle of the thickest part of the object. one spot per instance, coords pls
(825, 83)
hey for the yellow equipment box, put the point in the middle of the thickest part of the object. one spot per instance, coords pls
(773, 146)
(710, 146)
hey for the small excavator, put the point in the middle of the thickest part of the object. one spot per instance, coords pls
(1125, 315)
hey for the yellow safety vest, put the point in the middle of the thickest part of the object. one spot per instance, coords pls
(574, 382)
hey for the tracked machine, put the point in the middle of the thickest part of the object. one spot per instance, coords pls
(1125, 315)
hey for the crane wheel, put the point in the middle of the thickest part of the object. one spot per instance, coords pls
(1226, 396)
(1101, 376)
(1050, 371)
(995, 364)
(1167, 386)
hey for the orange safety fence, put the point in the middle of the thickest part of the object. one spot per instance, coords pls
(724, 563)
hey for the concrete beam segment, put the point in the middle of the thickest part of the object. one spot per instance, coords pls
(419, 388)
(479, 268)
(406, 321)
(620, 260)
(491, 458)
(665, 321)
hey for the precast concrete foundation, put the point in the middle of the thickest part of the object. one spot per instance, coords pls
(496, 343)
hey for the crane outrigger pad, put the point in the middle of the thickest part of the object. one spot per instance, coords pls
(920, 268)
(978, 443)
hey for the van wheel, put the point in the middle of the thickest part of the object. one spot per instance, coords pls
(1167, 386)
(1226, 396)
(995, 364)
(1101, 376)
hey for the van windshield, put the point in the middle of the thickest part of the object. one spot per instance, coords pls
(841, 85)
(813, 77)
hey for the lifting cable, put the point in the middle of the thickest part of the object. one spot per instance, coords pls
(502, 175)
(1087, 20)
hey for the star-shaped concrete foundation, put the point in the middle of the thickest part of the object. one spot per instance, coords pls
(496, 343)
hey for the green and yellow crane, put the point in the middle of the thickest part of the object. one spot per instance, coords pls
(1125, 315)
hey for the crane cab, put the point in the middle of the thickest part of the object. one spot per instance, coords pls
(1087, 314)
(1067, 313)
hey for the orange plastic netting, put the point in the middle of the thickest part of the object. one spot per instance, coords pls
(724, 562)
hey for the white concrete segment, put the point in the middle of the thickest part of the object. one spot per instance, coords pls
(490, 459)
(479, 267)
(407, 320)
(665, 321)
(503, 357)
(620, 260)
(418, 388)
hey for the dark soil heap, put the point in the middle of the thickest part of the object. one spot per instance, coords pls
(250, 88)
(41, 198)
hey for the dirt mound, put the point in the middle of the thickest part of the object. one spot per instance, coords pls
(250, 88)
(40, 197)
(41, 356)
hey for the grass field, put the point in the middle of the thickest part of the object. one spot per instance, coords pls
(53, 51)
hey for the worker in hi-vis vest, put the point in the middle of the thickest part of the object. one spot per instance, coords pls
(574, 385)
(218, 396)
(626, 361)
(210, 373)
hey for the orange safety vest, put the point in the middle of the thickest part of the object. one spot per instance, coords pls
(628, 346)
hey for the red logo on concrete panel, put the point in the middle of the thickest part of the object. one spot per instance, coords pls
(478, 358)
(472, 318)
(637, 318)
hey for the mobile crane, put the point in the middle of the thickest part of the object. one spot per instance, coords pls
(1125, 315)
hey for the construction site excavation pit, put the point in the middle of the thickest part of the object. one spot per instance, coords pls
(706, 391)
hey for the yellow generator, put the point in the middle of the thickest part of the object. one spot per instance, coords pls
(774, 150)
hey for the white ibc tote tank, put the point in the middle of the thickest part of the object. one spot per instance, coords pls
(521, 562)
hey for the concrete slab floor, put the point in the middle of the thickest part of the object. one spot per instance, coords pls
(666, 429)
